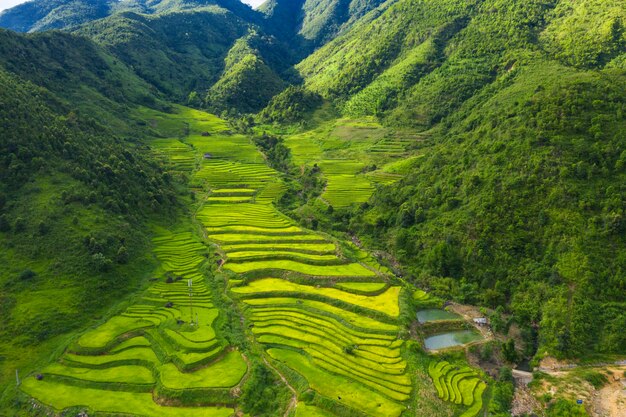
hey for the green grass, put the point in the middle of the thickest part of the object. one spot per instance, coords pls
(173, 124)
(116, 326)
(346, 270)
(458, 384)
(336, 328)
(62, 396)
(420, 295)
(131, 374)
(300, 257)
(331, 358)
(228, 199)
(137, 353)
(336, 387)
(475, 409)
(319, 248)
(386, 303)
(359, 320)
(362, 286)
(225, 373)
(305, 410)
(175, 154)
(232, 238)
(344, 186)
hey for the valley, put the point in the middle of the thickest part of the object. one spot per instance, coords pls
(314, 208)
(331, 323)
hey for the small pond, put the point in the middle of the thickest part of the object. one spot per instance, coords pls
(456, 338)
(435, 314)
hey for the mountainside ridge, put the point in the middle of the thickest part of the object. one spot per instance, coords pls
(35, 15)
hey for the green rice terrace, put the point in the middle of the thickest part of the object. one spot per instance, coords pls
(332, 327)
(459, 385)
(354, 156)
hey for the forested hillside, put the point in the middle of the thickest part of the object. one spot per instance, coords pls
(215, 46)
(520, 190)
(75, 202)
(311, 23)
(35, 15)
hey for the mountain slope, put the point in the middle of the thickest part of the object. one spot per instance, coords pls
(75, 200)
(417, 61)
(314, 22)
(77, 71)
(518, 203)
(35, 15)
(519, 187)
(178, 63)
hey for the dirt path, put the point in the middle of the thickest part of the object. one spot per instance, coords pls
(294, 398)
(610, 401)
(469, 313)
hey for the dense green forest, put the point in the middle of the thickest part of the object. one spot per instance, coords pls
(476, 147)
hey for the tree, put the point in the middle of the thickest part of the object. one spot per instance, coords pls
(100, 262)
(122, 255)
(509, 352)
(19, 225)
(42, 228)
(5, 226)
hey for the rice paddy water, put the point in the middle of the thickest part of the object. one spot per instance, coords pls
(450, 339)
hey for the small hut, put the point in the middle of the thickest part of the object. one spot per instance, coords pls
(207, 156)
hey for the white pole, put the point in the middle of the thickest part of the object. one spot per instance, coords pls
(190, 285)
(17, 378)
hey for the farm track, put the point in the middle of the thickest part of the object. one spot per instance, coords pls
(293, 403)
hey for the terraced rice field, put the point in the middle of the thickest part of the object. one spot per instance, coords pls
(353, 155)
(393, 145)
(325, 314)
(176, 155)
(344, 186)
(148, 354)
(459, 385)
(330, 318)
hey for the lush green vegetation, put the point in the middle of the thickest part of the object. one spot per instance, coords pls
(66, 14)
(314, 22)
(516, 189)
(563, 195)
(76, 201)
(292, 105)
(476, 148)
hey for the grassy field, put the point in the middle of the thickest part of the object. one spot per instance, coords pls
(367, 287)
(304, 410)
(344, 390)
(60, 396)
(346, 334)
(386, 302)
(226, 373)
